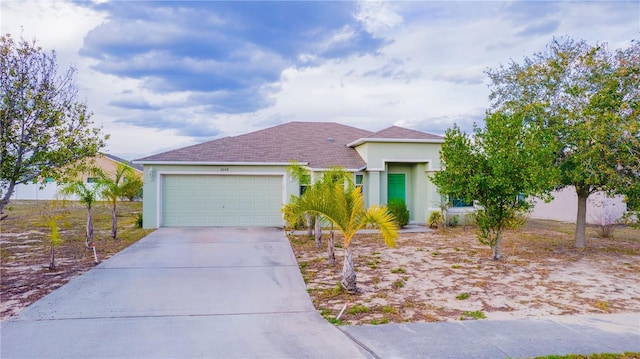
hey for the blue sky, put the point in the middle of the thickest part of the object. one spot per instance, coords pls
(166, 74)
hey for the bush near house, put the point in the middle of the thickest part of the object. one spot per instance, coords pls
(398, 208)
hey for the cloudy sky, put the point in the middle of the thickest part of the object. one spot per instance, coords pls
(165, 74)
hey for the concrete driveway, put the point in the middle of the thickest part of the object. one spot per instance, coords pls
(182, 293)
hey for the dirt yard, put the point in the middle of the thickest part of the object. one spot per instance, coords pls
(436, 276)
(25, 247)
(447, 275)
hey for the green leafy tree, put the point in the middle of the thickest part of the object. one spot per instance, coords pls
(112, 188)
(502, 162)
(588, 99)
(132, 187)
(43, 127)
(343, 205)
(88, 194)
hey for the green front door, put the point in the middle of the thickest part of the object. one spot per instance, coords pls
(396, 186)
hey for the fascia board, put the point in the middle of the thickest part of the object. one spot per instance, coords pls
(393, 140)
(213, 163)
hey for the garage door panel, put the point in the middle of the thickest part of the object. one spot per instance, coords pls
(221, 200)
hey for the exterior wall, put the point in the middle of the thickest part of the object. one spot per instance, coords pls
(564, 207)
(416, 160)
(49, 191)
(108, 166)
(153, 181)
(35, 191)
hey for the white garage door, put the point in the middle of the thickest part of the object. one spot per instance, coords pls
(222, 200)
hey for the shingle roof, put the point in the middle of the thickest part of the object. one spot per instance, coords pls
(404, 133)
(122, 160)
(318, 144)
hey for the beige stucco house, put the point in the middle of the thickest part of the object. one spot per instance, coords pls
(243, 181)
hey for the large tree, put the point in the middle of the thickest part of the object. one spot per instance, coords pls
(43, 126)
(498, 168)
(343, 205)
(587, 98)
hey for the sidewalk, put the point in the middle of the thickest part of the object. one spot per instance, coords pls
(517, 338)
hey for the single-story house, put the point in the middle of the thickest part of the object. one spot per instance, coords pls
(243, 180)
(48, 190)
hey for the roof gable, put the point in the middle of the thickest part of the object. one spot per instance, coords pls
(404, 133)
(399, 135)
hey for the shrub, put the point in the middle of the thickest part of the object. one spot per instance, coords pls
(294, 222)
(435, 219)
(398, 208)
(138, 220)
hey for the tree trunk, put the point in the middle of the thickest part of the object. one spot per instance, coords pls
(331, 249)
(114, 221)
(581, 219)
(309, 224)
(89, 241)
(318, 232)
(52, 265)
(348, 272)
(6, 196)
(496, 247)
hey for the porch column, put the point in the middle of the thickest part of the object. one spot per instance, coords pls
(374, 188)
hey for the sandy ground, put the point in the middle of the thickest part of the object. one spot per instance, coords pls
(443, 276)
(25, 247)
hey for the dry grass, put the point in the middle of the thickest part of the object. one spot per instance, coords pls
(448, 275)
(25, 247)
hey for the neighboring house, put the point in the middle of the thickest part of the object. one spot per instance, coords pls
(564, 207)
(49, 189)
(243, 181)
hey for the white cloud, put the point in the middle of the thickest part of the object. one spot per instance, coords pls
(428, 75)
(56, 25)
(378, 17)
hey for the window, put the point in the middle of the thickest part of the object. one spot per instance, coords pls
(305, 182)
(359, 182)
(48, 180)
(460, 202)
(91, 180)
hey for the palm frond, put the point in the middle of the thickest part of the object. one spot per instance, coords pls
(386, 223)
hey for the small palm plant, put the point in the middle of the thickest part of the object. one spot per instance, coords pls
(55, 241)
(51, 215)
(343, 205)
(113, 187)
(88, 194)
